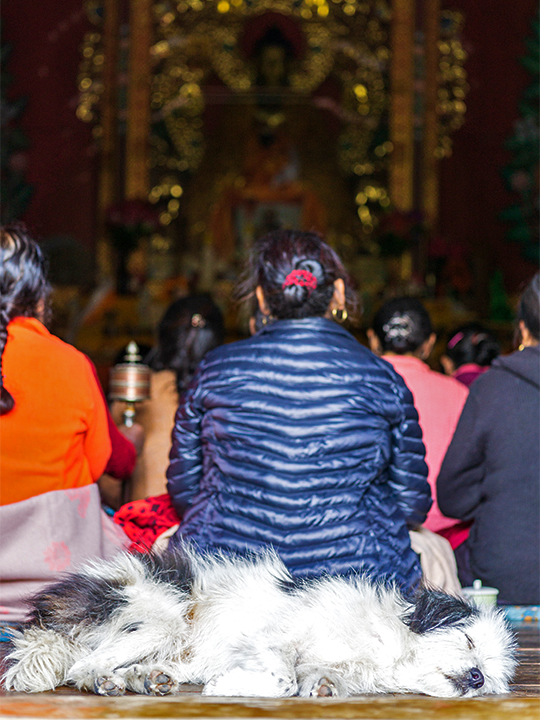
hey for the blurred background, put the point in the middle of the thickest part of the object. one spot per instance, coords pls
(147, 143)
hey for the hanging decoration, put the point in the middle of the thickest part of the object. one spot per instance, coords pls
(90, 77)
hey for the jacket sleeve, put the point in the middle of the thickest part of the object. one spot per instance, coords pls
(185, 458)
(123, 454)
(459, 485)
(408, 469)
(97, 441)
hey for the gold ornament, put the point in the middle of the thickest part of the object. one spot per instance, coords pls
(342, 317)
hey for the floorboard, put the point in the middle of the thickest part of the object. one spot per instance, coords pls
(523, 703)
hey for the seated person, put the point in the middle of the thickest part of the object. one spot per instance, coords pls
(299, 437)
(469, 352)
(402, 334)
(189, 328)
(55, 439)
(492, 468)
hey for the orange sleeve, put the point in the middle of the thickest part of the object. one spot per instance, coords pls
(97, 442)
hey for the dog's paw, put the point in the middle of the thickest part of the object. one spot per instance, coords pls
(158, 682)
(106, 685)
(318, 685)
(247, 683)
(324, 688)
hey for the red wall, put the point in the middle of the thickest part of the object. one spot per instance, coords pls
(472, 189)
(62, 161)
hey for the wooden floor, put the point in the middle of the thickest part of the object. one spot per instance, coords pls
(522, 704)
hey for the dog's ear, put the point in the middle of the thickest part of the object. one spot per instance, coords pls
(434, 609)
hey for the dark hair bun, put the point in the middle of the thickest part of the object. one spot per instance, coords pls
(189, 328)
(472, 343)
(279, 254)
(402, 325)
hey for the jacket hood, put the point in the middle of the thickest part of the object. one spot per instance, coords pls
(525, 364)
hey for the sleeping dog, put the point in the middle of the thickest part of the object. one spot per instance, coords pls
(245, 627)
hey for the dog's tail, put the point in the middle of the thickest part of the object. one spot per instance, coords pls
(38, 661)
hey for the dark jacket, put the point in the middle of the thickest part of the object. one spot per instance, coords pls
(491, 474)
(301, 438)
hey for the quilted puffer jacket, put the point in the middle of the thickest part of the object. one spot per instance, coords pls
(300, 438)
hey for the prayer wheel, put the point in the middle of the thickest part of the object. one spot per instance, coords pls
(130, 382)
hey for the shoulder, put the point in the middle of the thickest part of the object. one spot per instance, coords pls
(316, 340)
(413, 369)
(449, 385)
(31, 338)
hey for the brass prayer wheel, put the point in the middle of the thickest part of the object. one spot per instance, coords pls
(130, 381)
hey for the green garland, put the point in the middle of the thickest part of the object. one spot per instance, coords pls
(521, 174)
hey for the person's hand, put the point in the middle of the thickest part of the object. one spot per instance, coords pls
(135, 434)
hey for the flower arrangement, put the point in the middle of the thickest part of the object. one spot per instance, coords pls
(400, 231)
(130, 220)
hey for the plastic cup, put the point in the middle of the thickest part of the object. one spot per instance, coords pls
(480, 595)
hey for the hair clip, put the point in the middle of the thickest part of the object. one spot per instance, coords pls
(304, 278)
(198, 321)
(454, 340)
(398, 327)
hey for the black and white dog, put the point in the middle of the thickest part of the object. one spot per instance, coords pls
(244, 627)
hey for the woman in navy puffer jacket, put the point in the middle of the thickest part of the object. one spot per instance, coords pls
(299, 437)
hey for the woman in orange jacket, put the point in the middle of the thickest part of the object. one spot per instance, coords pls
(54, 438)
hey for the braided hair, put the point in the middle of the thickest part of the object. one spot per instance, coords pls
(23, 287)
(402, 325)
(296, 271)
(190, 328)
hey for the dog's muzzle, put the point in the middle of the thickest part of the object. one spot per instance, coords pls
(471, 680)
(475, 679)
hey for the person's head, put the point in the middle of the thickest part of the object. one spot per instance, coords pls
(402, 326)
(273, 53)
(189, 328)
(528, 313)
(470, 343)
(296, 275)
(24, 289)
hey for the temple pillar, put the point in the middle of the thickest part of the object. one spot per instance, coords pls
(138, 105)
(402, 104)
(430, 178)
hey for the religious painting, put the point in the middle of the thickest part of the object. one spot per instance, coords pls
(281, 102)
(268, 104)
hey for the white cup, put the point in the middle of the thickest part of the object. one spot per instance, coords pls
(480, 595)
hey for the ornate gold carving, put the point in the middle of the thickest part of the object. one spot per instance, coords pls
(90, 77)
(194, 40)
(453, 86)
(347, 39)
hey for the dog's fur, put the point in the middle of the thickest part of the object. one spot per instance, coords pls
(244, 627)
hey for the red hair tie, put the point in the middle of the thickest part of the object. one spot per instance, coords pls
(304, 278)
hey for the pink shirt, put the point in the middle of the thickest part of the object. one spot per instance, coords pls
(439, 400)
